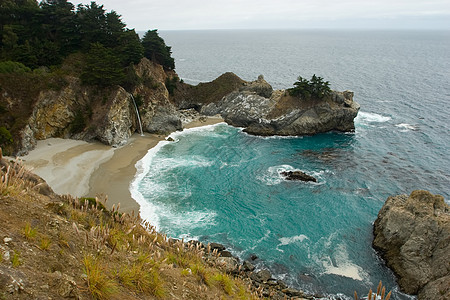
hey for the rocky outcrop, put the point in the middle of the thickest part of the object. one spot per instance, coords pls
(104, 114)
(412, 234)
(158, 113)
(116, 126)
(260, 87)
(187, 96)
(261, 279)
(262, 111)
(298, 175)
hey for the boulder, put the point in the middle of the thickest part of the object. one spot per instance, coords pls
(229, 264)
(297, 175)
(216, 246)
(412, 234)
(248, 266)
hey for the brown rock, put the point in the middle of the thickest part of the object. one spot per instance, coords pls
(412, 234)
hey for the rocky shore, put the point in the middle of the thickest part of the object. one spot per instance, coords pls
(412, 234)
(261, 280)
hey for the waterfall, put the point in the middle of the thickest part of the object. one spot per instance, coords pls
(137, 114)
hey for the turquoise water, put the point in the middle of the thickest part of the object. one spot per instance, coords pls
(219, 184)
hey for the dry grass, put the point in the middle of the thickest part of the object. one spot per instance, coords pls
(45, 243)
(379, 295)
(16, 260)
(99, 284)
(29, 232)
(111, 255)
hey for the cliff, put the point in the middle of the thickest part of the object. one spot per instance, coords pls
(263, 111)
(412, 234)
(73, 110)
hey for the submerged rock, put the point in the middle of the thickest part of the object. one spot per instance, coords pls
(298, 175)
(412, 234)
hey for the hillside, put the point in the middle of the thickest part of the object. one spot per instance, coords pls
(58, 247)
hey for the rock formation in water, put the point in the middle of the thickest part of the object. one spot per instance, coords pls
(263, 111)
(412, 234)
(297, 175)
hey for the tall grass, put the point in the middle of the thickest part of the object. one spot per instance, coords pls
(99, 284)
(379, 295)
(29, 232)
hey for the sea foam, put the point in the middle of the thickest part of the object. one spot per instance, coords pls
(150, 211)
(367, 118)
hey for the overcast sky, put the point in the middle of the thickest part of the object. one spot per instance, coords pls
(274, 14)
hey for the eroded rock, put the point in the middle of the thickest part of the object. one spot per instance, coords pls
(412, 234)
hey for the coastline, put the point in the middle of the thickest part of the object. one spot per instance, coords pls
(84, 169)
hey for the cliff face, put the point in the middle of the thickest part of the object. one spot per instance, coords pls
(412, 234)
(263, 111)
(108, 115)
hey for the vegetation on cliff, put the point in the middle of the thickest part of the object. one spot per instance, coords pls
(64, 247)
(46, 46)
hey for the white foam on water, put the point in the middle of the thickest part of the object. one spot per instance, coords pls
(273, 174)
(366, 118)
(284, 241)
(150, 211)
(265, 237)
(203, 130)
(192, 219)
(342, 265)
(170, 163)
(404, 127)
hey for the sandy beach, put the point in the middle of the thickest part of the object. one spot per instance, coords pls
(87, 169)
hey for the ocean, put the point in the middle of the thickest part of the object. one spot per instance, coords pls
(219, 184)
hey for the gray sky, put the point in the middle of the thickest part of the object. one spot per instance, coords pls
(274, 14)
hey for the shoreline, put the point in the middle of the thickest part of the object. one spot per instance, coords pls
(92, 169)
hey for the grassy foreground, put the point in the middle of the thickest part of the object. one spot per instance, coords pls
(56, 247)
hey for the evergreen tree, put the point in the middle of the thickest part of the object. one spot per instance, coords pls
(60, 25)
(129, 48)
(102, 68)
(92, 24)
(156, 50)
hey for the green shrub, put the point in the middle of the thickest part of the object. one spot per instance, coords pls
(5, 136)
(13, 67)
(29, 232)
(92, 202)
(15, 259)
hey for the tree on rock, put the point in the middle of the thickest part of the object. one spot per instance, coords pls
(156, 50)
(315, 88)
